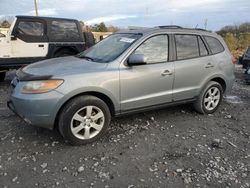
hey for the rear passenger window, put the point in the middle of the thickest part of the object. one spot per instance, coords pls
(155, 49)
(203, 49)
(186, 46)
(214, 45)
(62, 30)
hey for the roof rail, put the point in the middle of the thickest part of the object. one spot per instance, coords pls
(170, 27)
(200, 29)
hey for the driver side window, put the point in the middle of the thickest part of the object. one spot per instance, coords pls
(29, 28)
(154, 49)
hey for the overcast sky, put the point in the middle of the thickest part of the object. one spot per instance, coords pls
(123, 13)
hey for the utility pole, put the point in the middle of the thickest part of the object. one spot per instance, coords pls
(205, 24)
(36, 10)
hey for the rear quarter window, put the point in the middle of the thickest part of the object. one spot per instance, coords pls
(214, 45)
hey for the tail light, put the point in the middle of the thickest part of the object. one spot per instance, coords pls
(234, 60)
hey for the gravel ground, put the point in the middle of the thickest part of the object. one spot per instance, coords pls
(173, 147)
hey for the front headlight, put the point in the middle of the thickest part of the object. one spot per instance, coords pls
(41, 86)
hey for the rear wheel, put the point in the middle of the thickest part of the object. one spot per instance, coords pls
(84, 120)
(2, 76)
(209, 99)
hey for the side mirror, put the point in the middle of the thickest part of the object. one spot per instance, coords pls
(136, 59)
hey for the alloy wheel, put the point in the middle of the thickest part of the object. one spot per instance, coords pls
(212, 98)
(87, 122)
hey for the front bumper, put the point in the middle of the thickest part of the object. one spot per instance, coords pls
(36, 109)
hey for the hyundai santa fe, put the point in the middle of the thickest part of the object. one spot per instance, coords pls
(128, 72)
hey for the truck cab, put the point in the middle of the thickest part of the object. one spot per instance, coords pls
(32, 39)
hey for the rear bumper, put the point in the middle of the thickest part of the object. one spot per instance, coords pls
(229, 84)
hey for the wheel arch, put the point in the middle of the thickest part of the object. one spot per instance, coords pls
(68, 48)
(221, 81)
(99, 95)
(216, 78)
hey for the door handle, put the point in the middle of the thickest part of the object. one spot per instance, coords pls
(166, 72)
(209, 65)
(40, 45)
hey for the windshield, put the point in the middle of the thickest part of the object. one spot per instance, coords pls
(110, 48)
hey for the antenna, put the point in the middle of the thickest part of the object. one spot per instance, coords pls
(205, 24)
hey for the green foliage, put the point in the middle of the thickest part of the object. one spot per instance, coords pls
(5, 24)
(236, 37)
(235, 29)
(231, 41)
(100, 27)
(103, 28)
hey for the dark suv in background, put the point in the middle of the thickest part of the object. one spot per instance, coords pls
(245, 59)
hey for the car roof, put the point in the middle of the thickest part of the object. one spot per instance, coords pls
(43, 18)
(168, 29)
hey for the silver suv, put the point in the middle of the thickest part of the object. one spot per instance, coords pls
(128, 72)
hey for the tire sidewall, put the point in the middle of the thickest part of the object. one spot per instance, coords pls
(63, 53)
(71, 109)
(209, 86)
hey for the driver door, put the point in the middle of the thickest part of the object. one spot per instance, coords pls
(150, 84)
(29, 39)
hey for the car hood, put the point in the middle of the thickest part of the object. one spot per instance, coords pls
(63, 66)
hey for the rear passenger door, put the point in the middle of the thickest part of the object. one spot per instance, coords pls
(192, 66)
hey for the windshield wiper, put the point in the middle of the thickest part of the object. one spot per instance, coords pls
(86, 57)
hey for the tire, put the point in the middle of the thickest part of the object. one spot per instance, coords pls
(209, 99)
(64, 53)
(89, 39)
(75, 115)
(2, 76)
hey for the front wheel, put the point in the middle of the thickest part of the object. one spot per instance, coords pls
(209, 99)
(84, 120)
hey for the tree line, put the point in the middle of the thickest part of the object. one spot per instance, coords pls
(101, 27)
(5, 24)
(237, 37)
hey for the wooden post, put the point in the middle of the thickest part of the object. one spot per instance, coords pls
(36, 10)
